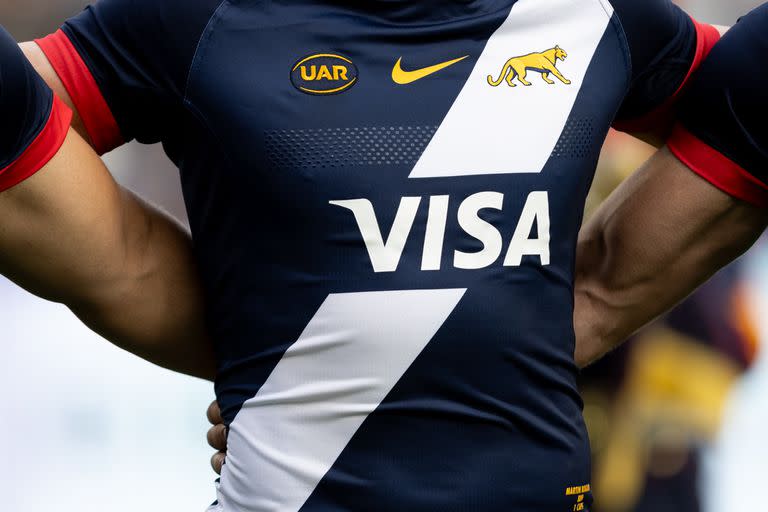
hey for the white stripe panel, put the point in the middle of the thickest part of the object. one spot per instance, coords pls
(504, 130)
(349, 357)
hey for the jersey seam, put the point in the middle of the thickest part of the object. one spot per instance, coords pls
(199, 45)
(186, 102)
(415, 26)
(622, 35)
(107, 92)
(201, 117)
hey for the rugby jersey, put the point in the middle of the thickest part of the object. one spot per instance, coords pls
(385, 199)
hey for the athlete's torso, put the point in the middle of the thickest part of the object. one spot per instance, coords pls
(401, 254)
(385, 200)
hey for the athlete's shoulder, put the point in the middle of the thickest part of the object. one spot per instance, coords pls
(665, 46)
(125, 64)
(630, 11)
(722, 135)
(150, 29)
(174, 13)
(658, 28)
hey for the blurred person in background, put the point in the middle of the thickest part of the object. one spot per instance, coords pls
(738, 459)
(654, 405)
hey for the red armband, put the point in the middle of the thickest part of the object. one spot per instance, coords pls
(84, 91)
(716, 168)
(706, 38)
(42, 149)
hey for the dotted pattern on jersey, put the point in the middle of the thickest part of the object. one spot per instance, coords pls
(576, 140)
(345, 147)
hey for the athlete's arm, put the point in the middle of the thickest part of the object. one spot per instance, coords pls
(68, 233)
(71, 235)
(692, 209)
(663, 233)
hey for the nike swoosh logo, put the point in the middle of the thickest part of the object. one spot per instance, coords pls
(402, 77)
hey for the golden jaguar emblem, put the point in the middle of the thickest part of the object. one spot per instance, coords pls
(544, 63)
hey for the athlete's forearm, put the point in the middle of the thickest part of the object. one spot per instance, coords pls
(658, 237)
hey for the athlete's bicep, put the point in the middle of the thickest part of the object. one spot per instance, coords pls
(70, 234)
(60, 210)
(61, 228)
(59, 207)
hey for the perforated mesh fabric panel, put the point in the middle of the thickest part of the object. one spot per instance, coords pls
(576, 141)
(344, 147)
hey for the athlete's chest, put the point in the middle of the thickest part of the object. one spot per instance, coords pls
(309, 87)
(461, 145)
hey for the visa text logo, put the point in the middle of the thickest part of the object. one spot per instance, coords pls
(324, 74)
(385, 254)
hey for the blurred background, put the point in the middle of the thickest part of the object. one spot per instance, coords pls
(677, 418)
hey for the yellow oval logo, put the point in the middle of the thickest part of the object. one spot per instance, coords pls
(323, 74)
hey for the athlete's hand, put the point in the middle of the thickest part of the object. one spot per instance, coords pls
(217, 437)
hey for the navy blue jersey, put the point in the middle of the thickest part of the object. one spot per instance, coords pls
(722, 135)
(34, 123)
(385, 199)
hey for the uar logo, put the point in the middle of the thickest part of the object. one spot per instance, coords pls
(323, 74)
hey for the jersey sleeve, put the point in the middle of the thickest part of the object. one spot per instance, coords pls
(722, 133)
(34, 122)
(125, 65)
(665, 46)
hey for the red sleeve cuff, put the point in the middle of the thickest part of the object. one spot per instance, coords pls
(716, 168)
(43, 148)
(706, 38)
(84, 91)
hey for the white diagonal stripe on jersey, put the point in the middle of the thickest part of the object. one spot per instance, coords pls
(349, 357)
(507, 130)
